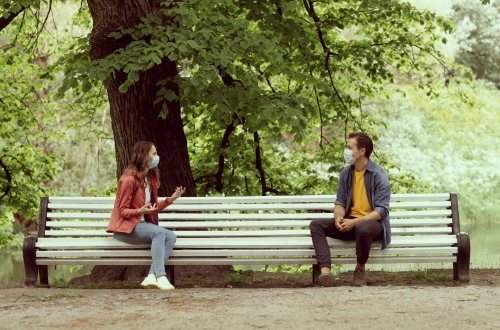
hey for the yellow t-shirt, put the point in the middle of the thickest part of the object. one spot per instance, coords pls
(360, 204)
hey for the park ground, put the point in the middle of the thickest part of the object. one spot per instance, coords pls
(262, 300)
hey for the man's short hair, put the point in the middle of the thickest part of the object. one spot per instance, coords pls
(363, 141)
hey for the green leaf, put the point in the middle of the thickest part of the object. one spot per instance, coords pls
(155, 58)
(123, 88)
(86, 86)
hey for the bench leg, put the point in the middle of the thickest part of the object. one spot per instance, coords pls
(44, 276)
(315, 273)
(170, 274)
(29, 257)
(461, 267)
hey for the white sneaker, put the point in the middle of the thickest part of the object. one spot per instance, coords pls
(150, 281)
(163, 283)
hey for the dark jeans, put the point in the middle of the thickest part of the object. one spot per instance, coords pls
(364, 233)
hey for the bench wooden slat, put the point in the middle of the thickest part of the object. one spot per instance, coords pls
(190, 224)
(243, 242)
(200, 216)
(242, 253)
(251, 199)
(243, 261)
(208, 207)
(396, 223)
(239, 224)
(212, 216)
(246, 206)
(243, 233)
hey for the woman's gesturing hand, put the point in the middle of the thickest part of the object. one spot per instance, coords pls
(146, 209)
(178, 193)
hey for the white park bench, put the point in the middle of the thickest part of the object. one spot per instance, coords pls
(247, 230)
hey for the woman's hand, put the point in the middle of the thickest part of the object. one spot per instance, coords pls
(178, 193)
(146, 209)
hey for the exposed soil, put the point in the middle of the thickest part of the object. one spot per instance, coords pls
(259, 300)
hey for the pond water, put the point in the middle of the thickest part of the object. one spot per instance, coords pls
(485, 253)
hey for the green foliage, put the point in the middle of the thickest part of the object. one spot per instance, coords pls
(479, 38)
(291, 269)
(267, 89)
(25, 128)
(261, 81)
(279, 86)
(8, 6)
(428, 276)
(446, 144)
(59, 282)
(238, 277)
(45, 141)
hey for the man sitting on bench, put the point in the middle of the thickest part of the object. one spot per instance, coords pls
(361, 210)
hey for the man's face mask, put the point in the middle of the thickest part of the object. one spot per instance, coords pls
(349, 159)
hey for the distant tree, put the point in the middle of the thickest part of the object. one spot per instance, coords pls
(479, 40)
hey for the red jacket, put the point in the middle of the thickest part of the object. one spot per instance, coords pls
(128, 200)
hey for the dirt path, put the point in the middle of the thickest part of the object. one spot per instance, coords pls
(377, 306)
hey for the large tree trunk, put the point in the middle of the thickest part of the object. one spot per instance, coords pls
(134, 117)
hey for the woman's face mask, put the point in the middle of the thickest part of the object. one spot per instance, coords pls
(154, 162)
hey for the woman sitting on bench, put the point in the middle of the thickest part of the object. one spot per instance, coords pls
(134, 219)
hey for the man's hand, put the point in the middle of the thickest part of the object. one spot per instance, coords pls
(338, 221)
(348, 225)
(146, 209)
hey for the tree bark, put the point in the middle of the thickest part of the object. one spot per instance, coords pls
(134, 117)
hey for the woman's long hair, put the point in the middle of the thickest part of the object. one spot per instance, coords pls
(139, 161)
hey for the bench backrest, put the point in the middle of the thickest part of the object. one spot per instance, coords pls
(247, 216)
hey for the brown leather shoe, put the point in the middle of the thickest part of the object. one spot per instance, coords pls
(359, 277)
(326, 280)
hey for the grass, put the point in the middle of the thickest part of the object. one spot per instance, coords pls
(238, 278)
(425, 275)
(391, 276)
(59, 282)
(289, 269)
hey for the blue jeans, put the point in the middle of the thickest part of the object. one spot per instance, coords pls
(162, 242)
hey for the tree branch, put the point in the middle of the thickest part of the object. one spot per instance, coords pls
(279, 9)
(266, 79)
(224, 143)
(227, 79)
(309, 5)
(230, 82)
(49, 10)
(321, 137)
(9, 179)
(27, 171)
(5, 21)
(258, 163)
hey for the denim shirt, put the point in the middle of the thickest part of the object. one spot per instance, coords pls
(378, 190)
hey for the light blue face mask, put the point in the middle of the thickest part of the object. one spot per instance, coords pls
(349, 159)
(154, 162)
